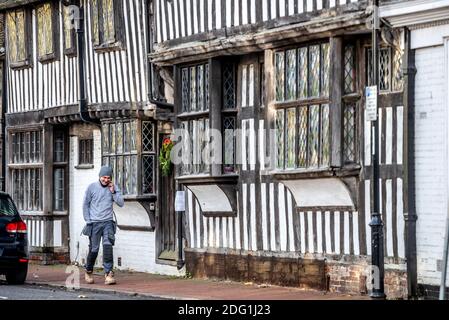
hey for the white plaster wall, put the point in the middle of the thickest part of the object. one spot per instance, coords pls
(430, 162)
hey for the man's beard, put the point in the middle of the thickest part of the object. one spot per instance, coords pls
(104, 185)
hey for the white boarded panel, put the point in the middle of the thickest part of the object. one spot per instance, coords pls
(309, 7)
(319, 233)
(303, 232)
(237, 225)
(41, 233)
(331, 3)
(205, 232)
(190, 217)
(261, 144)
(310, 234)
(337, 226)
(282, 222)
(198, 225)
(291, 238)
(301, 8)
(291, 7)
(319, 4)
(57, 233)
(209, 15)
(231, 232)
(327, 229)
(251, 80)
(171, 24)
(367, 131)
(244, 148)
(237, 22)
(245, 215)
(229, 13)
(399, 133)
(263, 193)
(273, 10)
(188, 18)
(243, 84)
(400, 219)
(389, 136)
(281, 8)
(224, 230)
(211, 232)
(195, 17)
(355, 228)
(176, 26)
(252, 189)
(272, 229)
(218, 14)
(346, 233)
(265, 13)
(202, 18)
(368, 215)
(245, 10)
(342, 2)
(252, 142)
(389, 217)
(163, 20)
(253, 10)
(217, 231)
(183, 18)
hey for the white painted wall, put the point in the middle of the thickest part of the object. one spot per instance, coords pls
(135, 248)
(431, 165)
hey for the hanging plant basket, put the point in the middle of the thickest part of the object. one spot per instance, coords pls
(164, 157)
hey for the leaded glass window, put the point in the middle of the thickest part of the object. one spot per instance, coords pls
(195, 86)
(121, 153)
(16, 28)
(302, 73)
(229, 144)
(58, 189)
(390, 73)
(86, 151)
(228, 86)
(45, 40)
(302, 137)
(60, 164)
(349, 69)
(302, 131)
(26, 167)
(103, 21)
(148, 156)
(69, 30)
(247, 85)
(349, 133)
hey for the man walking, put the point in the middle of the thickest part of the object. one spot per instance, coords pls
(98, 214)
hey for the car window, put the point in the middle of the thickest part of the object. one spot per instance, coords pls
(7, 207)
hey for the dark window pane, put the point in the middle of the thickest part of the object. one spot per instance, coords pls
(147, 136)
(229, 144)
(58, 189)
(279, 76)
(148, 174)
(349, 133)
(58, 146)
(228, 86)
(349, 69)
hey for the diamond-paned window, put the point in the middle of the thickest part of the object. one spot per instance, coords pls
(228, 86)
(229, 144)
(147, 136)
(349, 69)
(195, 87)
(349, 132)
(390, 73)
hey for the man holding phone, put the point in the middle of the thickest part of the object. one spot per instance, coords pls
(100, 225)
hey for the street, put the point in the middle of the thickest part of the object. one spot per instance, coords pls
(33, 292)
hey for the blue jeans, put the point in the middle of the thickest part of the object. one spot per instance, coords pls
(103, 231)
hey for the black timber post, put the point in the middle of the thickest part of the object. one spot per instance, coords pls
(376, 224)
(410, 217)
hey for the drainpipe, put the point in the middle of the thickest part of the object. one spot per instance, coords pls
(410, 216)
(83, 112)
(3, 125)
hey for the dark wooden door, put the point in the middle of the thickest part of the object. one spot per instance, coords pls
(167, 219)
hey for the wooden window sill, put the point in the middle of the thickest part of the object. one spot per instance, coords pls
(47, 58)
(108, 46)
(20, 64)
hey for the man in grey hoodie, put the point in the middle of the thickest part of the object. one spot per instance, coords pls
(99, 216)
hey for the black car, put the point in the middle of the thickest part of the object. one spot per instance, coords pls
(13, 242)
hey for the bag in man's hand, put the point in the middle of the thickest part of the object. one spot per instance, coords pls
(87, 230)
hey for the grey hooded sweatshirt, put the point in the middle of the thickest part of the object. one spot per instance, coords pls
(98, 202)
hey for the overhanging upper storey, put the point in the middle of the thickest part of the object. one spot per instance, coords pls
(187, 28)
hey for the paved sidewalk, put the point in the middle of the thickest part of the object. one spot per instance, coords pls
(137, 283)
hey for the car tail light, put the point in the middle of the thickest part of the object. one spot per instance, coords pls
(16, 227)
